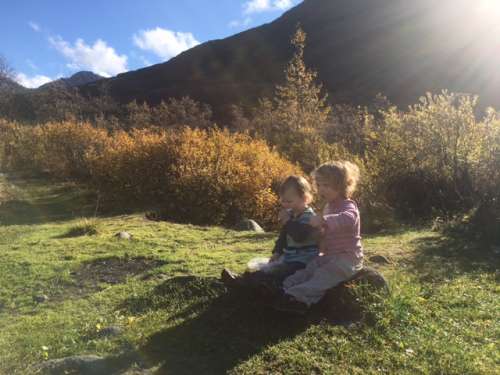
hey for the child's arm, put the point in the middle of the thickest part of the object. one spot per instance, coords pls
(280, 244)
(299, 231)
(344, 220)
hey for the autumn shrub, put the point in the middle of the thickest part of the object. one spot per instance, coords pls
(197, 176)
(428, 157)
(190, 175)
(65, 146)
(59, 149)
(20, 147)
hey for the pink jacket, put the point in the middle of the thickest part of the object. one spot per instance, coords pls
(342, 229)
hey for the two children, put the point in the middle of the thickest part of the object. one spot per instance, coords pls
(342, 253)
(296, 244)
(305, 275)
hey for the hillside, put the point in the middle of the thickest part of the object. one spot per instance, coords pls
(154, 302)
(360, 48)
(77, 79)
(8, 86)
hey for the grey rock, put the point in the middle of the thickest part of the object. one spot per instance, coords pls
(110, 331)
(41, 298)
(123, 235)
(137, 371)
(342, 303)
(379, 259)
(249, 225)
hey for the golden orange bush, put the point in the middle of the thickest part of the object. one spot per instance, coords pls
(190, 175)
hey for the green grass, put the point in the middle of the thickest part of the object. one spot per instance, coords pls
(160, 287)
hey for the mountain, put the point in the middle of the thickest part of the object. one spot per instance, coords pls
(9, 86)
(76, 80)
(359, 48)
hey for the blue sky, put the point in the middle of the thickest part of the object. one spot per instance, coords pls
(45, 40)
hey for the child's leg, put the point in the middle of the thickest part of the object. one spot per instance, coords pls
(326, 276)
(272, 277)
(301, 276)
(280, 272)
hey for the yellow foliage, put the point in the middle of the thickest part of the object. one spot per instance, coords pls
(193, 175)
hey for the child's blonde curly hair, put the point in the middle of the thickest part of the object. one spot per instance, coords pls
(342, 175)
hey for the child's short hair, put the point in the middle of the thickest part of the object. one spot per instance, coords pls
(342, 175)
(300, 185)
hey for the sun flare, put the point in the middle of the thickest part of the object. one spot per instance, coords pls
(489, 9)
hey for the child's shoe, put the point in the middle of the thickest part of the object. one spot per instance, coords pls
(229, 278)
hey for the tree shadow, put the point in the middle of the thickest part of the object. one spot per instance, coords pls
(443, 258)
(218, 330)
(42, 200)
(47, 202)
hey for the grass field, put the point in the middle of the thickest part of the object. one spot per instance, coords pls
(65, 278)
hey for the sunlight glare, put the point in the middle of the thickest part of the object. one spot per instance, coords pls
(489, 9)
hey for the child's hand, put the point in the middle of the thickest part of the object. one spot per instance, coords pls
(274, 257)
(316, 221)
(283, 216)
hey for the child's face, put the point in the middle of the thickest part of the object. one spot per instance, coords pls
(326, 191)
(290, 199)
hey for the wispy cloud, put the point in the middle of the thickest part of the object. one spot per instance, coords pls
(32, 81)
(259, 6)
(164, 43)
(34, 26)
(99, 57)
(241, 23)
(31, 64)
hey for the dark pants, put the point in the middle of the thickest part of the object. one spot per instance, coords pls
(271, 280)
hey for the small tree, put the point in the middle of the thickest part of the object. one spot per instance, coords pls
(299, 102)
(6, 71)
(295, 119)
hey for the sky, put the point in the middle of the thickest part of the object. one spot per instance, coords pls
(43, 40)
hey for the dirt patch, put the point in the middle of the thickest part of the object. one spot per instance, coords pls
(113, 270)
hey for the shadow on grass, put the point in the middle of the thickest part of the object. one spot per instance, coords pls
(441, 258)
(43, 201)
(218, 330)
(40, 200)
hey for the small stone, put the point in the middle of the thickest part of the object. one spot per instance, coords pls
(110, 331)
(123, 236)
(41, 298)
(137, 371)
(249, 225)
(162, 277)
(380, 259)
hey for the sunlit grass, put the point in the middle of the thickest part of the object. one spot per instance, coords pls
(176, 317)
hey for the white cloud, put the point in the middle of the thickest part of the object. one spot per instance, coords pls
(31, 64)
(34, 26)
(238, 23)
(258, 6)
(283, 4)
(99, 58)
(33, 81)
(164, 43)
(145, 61)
